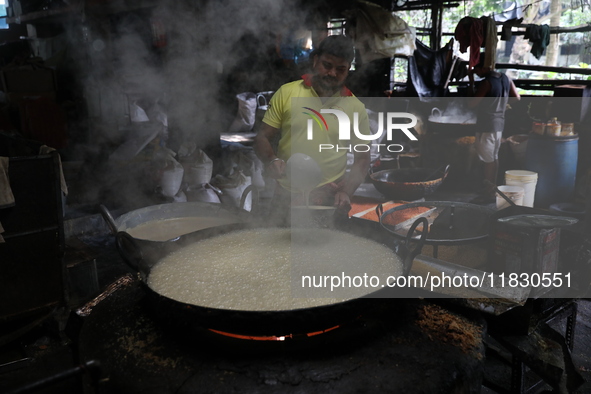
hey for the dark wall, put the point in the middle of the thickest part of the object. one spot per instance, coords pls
(13, 33)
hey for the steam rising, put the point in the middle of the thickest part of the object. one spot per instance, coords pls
(193, 78)
(204, 43)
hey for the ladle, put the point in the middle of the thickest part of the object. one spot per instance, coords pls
(489, 183)
(436, 171)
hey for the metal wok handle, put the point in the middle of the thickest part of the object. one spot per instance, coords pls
(254, 200)
(109, 219)
(446, 171)
(129, 249)
(380, 210)
(411, 254)
(259, 97)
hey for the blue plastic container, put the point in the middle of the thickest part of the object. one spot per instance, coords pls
(555, 161)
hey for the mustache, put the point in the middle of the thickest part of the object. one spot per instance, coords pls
(329, 81)
(326, 78)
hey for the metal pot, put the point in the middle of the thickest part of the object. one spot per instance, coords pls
(259, 323)
(452, 126)
(408, 184)
(469, 118)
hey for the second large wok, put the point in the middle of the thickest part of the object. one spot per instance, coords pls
(408, 184)
(259, 323)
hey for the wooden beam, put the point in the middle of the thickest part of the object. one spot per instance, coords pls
(536, 84)
(565, 70)
(553, 30)
(434, 44)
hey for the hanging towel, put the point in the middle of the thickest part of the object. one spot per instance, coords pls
(532, 32)
(490, 42)
(539, 36)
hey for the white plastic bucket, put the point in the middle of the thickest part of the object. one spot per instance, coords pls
(527, 180)
(514, 193)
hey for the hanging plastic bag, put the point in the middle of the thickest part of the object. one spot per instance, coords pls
(244, 121)
(137, 113)
(262, 105)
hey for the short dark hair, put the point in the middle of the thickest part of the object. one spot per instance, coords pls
(339, 46)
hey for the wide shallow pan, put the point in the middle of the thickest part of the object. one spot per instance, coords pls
(257, 323)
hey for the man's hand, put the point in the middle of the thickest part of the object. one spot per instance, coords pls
(342, 201)
(276, 168)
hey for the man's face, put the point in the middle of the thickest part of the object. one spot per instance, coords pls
(330, 72)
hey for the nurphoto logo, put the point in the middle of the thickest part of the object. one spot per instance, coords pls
(391, 120)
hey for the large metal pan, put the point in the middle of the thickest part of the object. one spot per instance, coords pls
(180, 210)
(408, 184)
(211, 212)
(258, 323)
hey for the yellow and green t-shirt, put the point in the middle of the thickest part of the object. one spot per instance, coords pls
(290, 109)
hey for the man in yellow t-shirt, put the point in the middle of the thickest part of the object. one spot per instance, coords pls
(305, 116)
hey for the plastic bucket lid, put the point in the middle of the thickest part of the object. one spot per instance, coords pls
(521, 176)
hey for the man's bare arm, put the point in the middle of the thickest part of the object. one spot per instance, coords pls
(513, 93)
(264, 150)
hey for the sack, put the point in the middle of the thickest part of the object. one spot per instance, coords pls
(244, 121)
(171, 172)
(198, 168)
(233, 188)
(202, 193)
(172, 178)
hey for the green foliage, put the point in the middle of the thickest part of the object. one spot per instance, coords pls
(574, 16)
(474, 8)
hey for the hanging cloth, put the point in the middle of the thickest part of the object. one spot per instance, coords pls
(378, 33)
(428, 70)
(508, 26)
(469, 33)
(539, 36)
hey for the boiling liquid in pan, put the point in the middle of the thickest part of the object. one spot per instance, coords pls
(254, 270)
